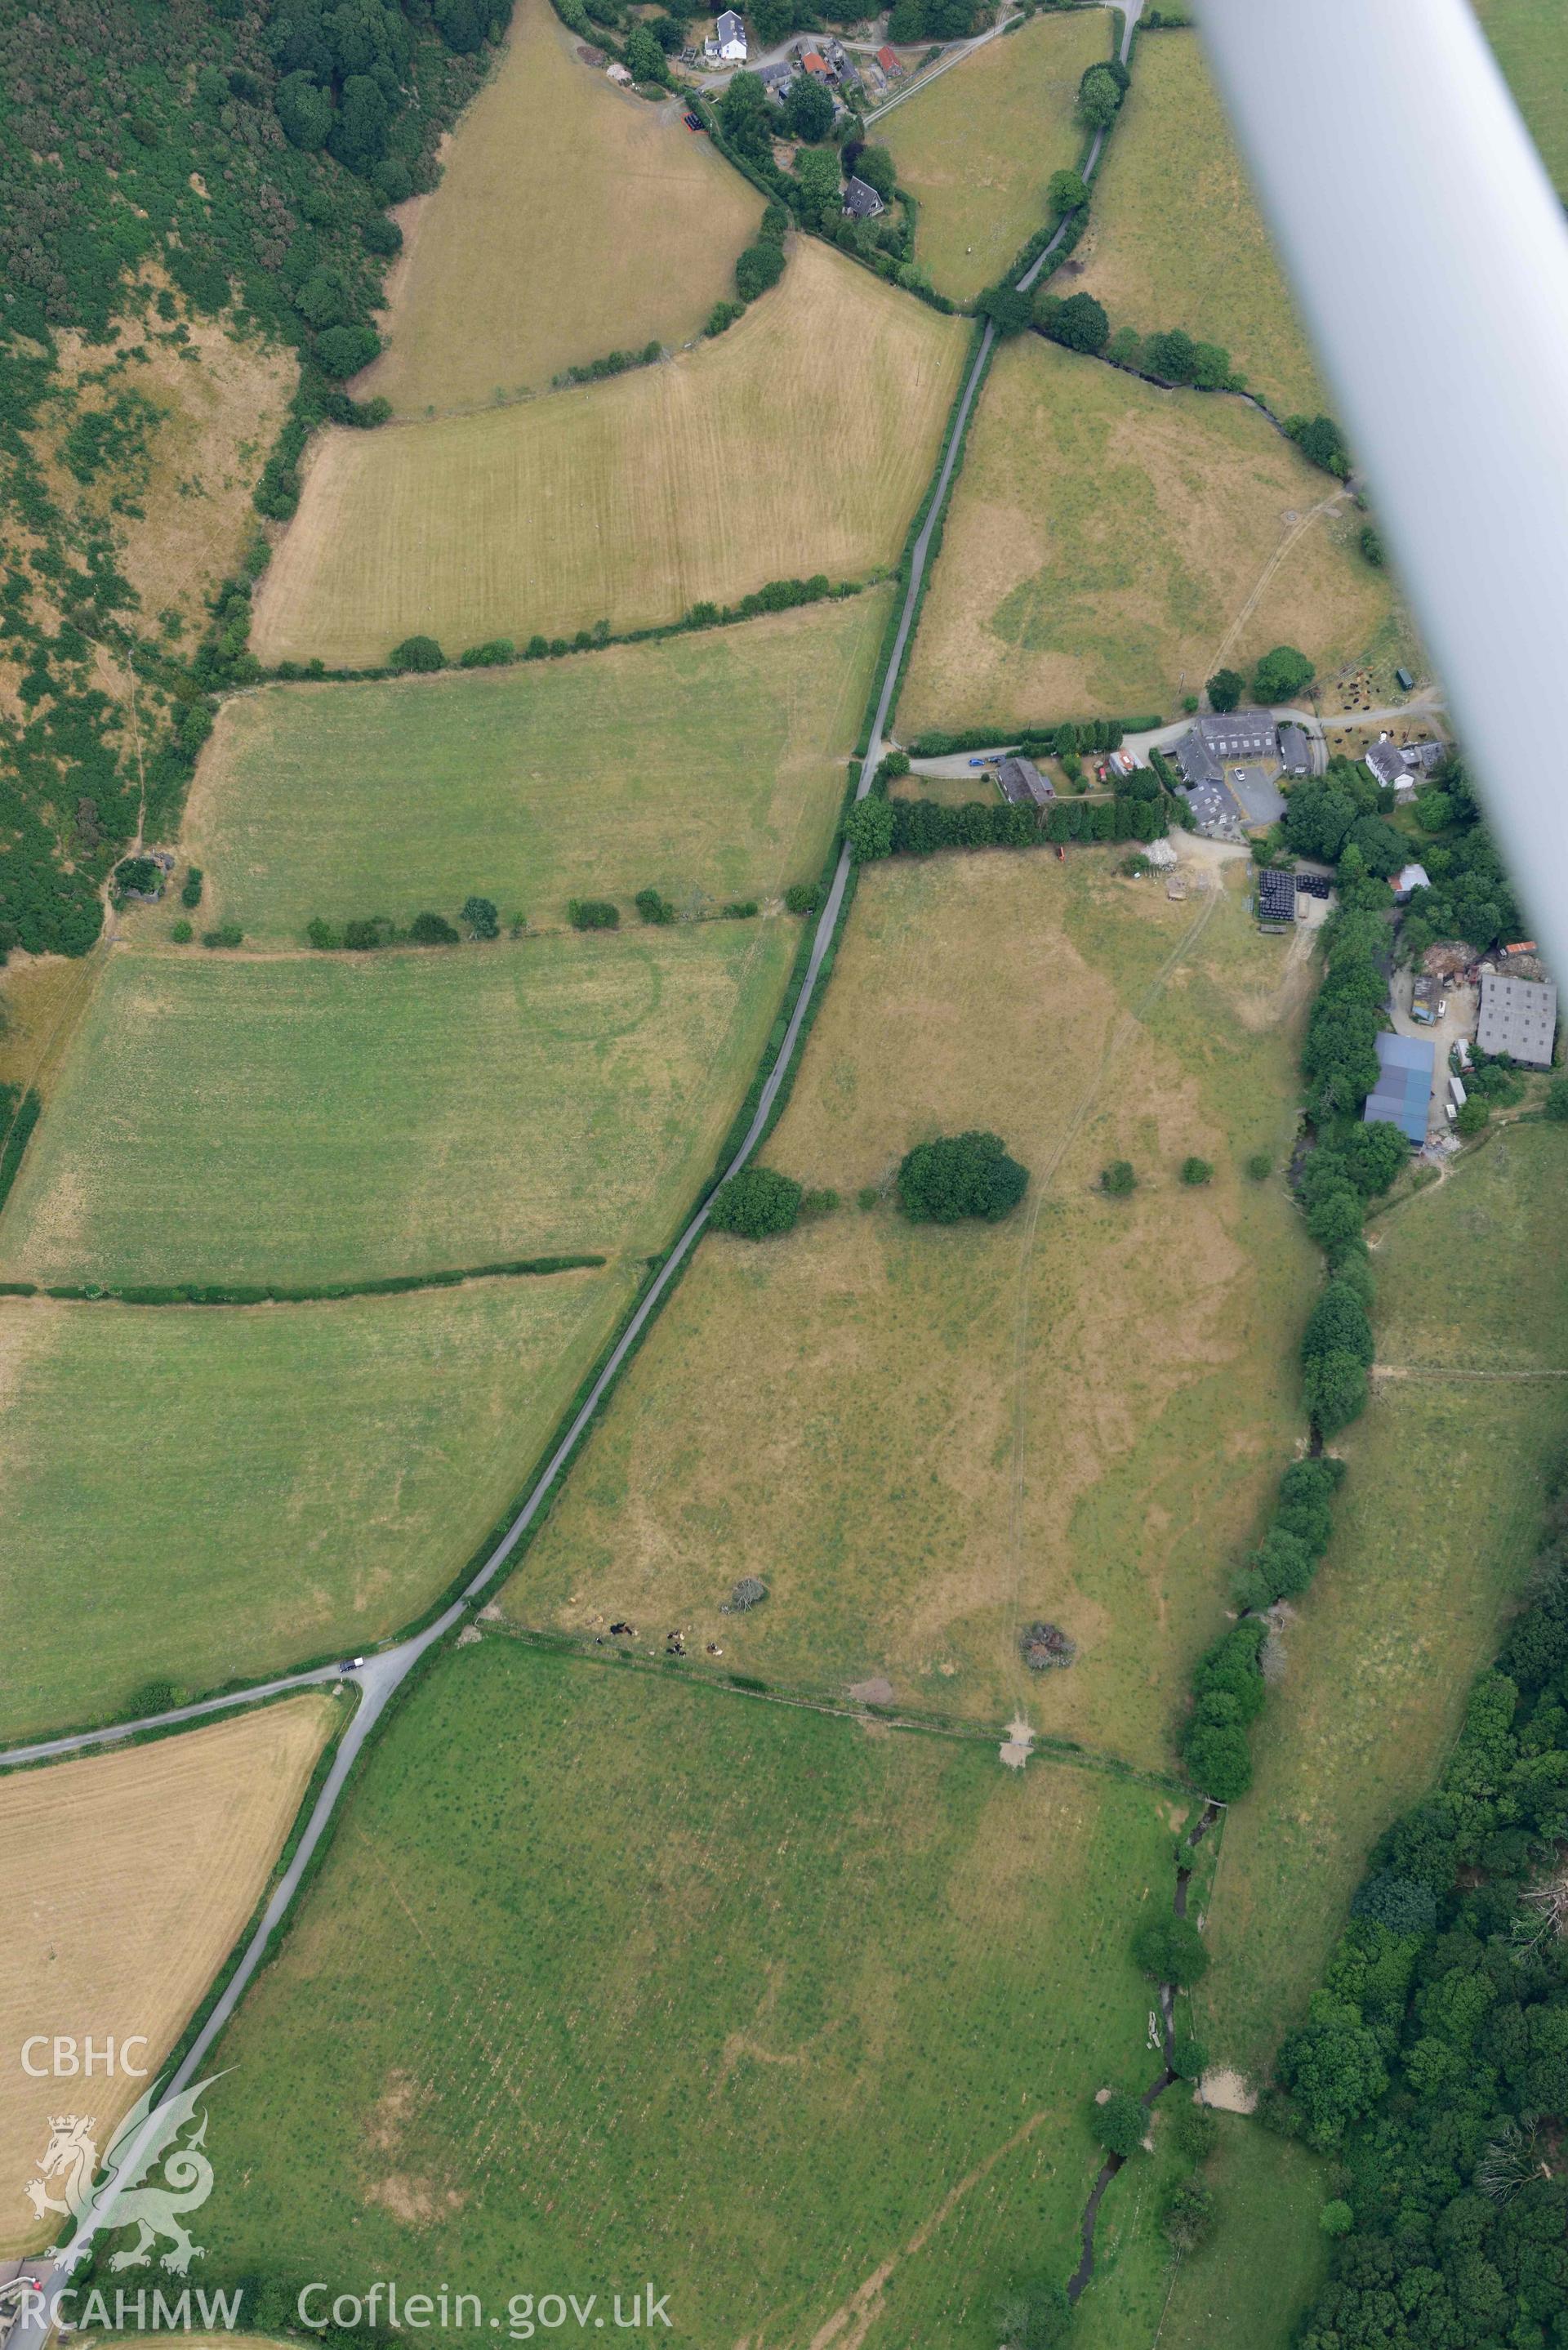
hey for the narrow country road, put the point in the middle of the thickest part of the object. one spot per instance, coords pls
(383, 1673)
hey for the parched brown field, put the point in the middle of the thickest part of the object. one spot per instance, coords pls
(1175, 236)
(572, 219)
(922, 1440)
(800, 442)
(1109, 545)
(128, 1878)
(977, 148)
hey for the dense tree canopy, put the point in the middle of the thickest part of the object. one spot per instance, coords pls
(961, 1175)
(757, 1203)
(1078, 322)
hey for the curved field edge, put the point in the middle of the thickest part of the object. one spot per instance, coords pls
(800, 442)
(133, 1872)
(978, 147)
(1175, 237)
(571, 219)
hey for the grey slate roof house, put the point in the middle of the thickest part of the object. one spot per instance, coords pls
(1402, 764)
(1220, 736)
(777, 81)
(861, 200)
(1022, 781)
(1239, 734)
(1518, 1016)
(730, 29)
(1404, 1090)
(1294, 756)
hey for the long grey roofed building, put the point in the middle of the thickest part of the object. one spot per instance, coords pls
(1404, 1090)
(1518, 1016)
(1294, 755)
(1021, 781)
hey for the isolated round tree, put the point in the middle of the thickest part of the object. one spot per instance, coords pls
(757, 1203)
(961, 1175)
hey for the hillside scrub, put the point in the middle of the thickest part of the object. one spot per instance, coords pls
(221, 168)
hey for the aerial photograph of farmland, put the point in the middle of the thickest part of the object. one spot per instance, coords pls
(784, 1303)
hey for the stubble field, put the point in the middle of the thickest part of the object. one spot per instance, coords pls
(800, 442)
(1107, 541)
(128, 1878)
(1175, 236)
(219, 1492)
(535, 253)
(708, 766)
(607, 1980)
(977, 149)
(341, 1118)
(922, 1440)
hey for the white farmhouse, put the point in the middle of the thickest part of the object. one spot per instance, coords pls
(731, 32)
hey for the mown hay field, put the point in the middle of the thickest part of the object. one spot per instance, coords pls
(218, 1491)
(1175, 235)
(800, 442)
(708, 767)
(924, 1439)
(1436, 1528)
(977, 148)
(341, 1118)
(1107, 541)
(1531, 39)
(606, 1979)
(571, 219)
(128, 1879)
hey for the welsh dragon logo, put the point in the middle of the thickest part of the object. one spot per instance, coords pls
(149, 2135)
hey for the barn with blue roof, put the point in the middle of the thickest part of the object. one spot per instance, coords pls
(1403, 1094)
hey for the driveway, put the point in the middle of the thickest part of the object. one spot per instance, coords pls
(1459, 1021)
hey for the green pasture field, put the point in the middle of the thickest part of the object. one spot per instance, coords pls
(571, 219)
(1436, 1528)
(333, 1117)
(1531, 39)
(1175, 236)
(802, 441)
(1108, 540)
(923, 1438)
(978, 147)
(709, 767)
(606, 1979)
(195, 1493)
(1247, 2287)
